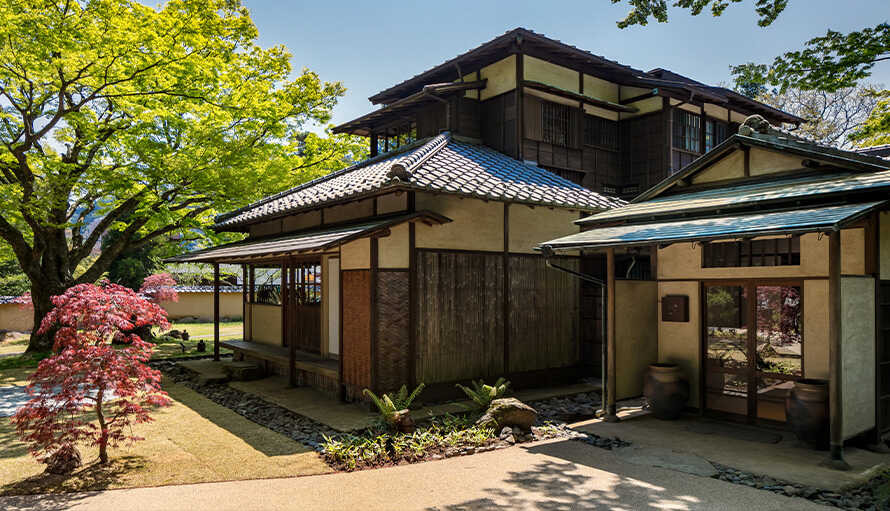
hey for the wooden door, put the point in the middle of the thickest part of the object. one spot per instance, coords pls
(307, 287)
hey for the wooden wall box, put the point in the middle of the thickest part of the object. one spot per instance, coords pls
(675, 308)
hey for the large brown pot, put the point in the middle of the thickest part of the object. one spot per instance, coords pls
(807, 410)
(666, 390)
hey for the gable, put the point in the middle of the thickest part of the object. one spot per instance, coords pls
(760, 162)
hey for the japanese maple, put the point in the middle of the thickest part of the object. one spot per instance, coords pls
(159, 288)
(88, 376)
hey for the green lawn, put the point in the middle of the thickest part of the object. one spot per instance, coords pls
(13, 342)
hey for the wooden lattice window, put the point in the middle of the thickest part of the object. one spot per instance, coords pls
(555, 123)
(267, 285)
(600, 132)
(687, 131)
(307, 283)
(772, 252)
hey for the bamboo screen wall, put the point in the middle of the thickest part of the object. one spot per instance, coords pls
(460, 316)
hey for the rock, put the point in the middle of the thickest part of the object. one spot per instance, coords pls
(506, 432)
(674, 460)
(175, 334)
(201, 347)
(402, 421)
(63, 461)
(791, 490)
(185, 336)
(509, 412)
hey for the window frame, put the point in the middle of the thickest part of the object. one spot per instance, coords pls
(747, 250)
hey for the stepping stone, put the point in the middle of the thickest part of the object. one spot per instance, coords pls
(667, 458)
(243, 371)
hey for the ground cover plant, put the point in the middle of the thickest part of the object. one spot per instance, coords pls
(482, 395)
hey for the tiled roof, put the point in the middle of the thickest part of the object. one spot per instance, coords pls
(10, 299)
(440, 164)
(206, 289)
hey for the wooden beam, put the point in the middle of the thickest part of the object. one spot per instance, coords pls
(520, 110)
(216, 312)
(574, 96)
(835, 362)
(506, 263)
(611, 364)
(244, 299)
(634, 99)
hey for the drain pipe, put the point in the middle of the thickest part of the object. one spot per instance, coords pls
(548, 254)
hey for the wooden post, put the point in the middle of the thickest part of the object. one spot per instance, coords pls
(611, 365)
(216, 312)
(287, 298)
(835, 362)
(244, 298)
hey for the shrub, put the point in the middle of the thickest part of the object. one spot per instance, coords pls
(482, 395)
(390, 403)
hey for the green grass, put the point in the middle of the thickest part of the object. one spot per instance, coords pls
(13, 342)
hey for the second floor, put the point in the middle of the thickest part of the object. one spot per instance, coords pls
(609, 127)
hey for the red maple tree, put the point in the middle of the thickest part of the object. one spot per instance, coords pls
(159, 287)
(87, 374)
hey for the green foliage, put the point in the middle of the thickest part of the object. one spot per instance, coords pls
(642, 10)
(482, 395)
(146, 122)
(390, 403)
(376, 448)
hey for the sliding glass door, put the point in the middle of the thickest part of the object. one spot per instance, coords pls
(753, 347)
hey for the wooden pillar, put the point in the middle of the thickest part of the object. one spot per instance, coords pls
(244, 298)
(611, 365)
(216, 312)
(251, 299)
(835, 362)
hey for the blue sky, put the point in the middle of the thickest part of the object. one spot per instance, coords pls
(370, 46)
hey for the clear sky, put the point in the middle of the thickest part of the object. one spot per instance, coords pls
(370, 46)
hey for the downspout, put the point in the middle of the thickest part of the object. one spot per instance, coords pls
(548, 254)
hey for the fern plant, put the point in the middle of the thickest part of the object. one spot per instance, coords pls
(482, 395)
(391, 402)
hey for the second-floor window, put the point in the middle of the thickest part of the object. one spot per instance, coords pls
(715, 132)
(687, 131)
(555, 125)
(771, 252)
(600, 132)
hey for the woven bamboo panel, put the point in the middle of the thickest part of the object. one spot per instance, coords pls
(459, 311)
(544, 315)
(392, 330)
(356, 328)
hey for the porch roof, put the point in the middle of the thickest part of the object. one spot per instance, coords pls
(796, 221)
(305, 241)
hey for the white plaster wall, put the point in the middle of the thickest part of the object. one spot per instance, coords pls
(858, 354)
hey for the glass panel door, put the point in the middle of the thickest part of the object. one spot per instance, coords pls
(727, 362)
(779, 347)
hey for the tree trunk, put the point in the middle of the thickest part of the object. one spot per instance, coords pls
(103, 429)
(40, 298)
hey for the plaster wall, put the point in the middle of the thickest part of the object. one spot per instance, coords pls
(501, 77)
(349, 211)
(730, 166)
(737, 117)
(680, 342)
(392, 203)
(302, 221)
(636, 342)
(266, 324)
(14, 317)
(529, 226)
(356, 255)
(858, 354)
(815, 328)
(475, 225)
(644, 106)
(200, 305)
(717, 112)
(601, 89)
(763, 161)
(538, 70)
(393, 250)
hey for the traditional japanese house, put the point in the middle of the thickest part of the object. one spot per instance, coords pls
(417, 265)
(771, 263)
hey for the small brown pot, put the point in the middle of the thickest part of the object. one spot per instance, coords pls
(666, 390)
(807, 410)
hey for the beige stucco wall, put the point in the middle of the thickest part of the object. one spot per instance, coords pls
(476, 225)
(717, 112)
(393, 250)
(737, 117)
(763, 161)
(302, 221)
(644, 106)
(392, 202)
(884, 226)
(728, 167)
(683, 260)
(538, 70)
(266, 324)
(501, 77)
(601, 89)
(636, 341)
(356, 255)
(200, 305)
(349, 211)
(680, 342)
(530, 226)
(858, 354)
(15, 318)
(815, 328)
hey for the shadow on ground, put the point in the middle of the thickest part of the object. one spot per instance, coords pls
(559, 486)
(91, 477)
